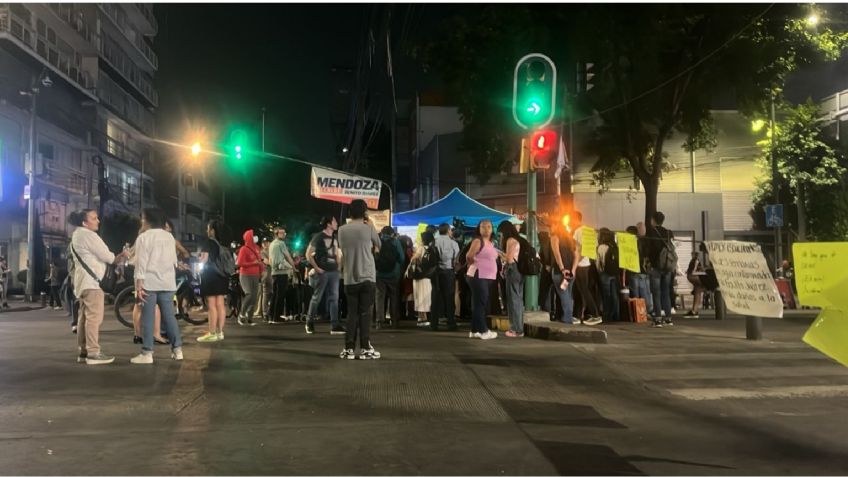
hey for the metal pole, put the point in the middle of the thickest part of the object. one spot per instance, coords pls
(753, 328)
(30, 280)
(263, 129)
(531, 283)
(141, 189)
(775, 185)
(720, 310)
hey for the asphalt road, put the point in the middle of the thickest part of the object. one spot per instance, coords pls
(694, 399)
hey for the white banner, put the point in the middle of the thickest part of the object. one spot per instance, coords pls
(745, 279)
(345, 188)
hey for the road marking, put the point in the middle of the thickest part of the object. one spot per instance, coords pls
(713, 394)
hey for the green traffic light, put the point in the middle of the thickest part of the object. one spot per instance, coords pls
(534, 91)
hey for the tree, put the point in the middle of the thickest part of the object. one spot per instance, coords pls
(659, 70)
(810, 168)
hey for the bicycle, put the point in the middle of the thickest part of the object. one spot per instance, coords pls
(185, 297)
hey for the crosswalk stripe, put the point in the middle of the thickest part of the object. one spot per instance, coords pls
(712, 394)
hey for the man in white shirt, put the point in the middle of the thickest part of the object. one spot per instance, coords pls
(91, 255)
(582, 277)
(155, 283)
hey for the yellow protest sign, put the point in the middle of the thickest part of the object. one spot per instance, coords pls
(820, 267)
(628, 251)
(589, 247)
(829, 334)
(421, 229)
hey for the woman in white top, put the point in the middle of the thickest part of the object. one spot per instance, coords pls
(155, 283)
(91, 255)
(513, 278)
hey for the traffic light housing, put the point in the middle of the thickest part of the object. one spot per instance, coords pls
(534, 91)
(585, 77)
(543, 149)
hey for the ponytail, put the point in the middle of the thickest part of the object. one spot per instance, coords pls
(78, 217)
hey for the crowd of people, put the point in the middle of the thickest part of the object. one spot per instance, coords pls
(356, 277)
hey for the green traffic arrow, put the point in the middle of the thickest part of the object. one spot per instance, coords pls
(534, 108)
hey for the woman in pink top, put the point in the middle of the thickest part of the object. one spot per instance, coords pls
(513, 278)
(482, 272)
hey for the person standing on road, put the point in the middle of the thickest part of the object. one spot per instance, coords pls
(423, 268)
(694, 272)
(266, 284)
(250, 265)
(639, 283)
(91, 256)
(322, 255)
(54, 281)
(444, 305)
(282, 266)
(214, 281)
(587, 298)
(663, 259)
(513, 279)
(482, 272)
(564, 268)
(156, 283)
(4, 273)
(389, 263)
(610, 273)
(358, 241)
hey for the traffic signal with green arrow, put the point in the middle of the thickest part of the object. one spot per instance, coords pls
(534, 91)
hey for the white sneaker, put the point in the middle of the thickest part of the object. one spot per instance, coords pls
(593, 321)
(489, 335)
(241, 321)
(474, 334)
(220, 336)
(177, 354)
(143, 358)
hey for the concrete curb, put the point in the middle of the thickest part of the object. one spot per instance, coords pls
(547, 330)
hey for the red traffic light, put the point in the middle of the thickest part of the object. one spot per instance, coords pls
(543, 147)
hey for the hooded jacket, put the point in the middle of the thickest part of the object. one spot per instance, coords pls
(248, 253)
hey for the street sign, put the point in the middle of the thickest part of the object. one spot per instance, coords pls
(26, 192)
(774, 215)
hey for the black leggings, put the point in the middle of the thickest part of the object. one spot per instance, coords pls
(480, 289)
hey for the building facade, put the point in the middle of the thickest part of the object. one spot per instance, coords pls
(85, 73)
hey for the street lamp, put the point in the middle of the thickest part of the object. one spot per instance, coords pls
(195, 149)
(44, 80)
(812, 20)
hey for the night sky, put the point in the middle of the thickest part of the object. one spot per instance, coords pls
(220, 64)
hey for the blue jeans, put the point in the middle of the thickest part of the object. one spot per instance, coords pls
(609, 290)
(515, 298)
(328, 283)
(661, 291)
(566, 297)
(165, 300)
(480, 288)
(640, 287)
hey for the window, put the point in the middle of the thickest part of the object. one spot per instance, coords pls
(41, 28)
(46, 150)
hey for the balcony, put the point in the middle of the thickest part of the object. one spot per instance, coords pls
(138, 49)
(835, 106)
(16, 23)
(117, 149)
(71, 25)
(117, 59)
(141, 15)
(124, 104)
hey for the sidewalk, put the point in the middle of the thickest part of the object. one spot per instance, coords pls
(17, 304)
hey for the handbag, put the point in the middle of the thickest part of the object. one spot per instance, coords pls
(110, 276)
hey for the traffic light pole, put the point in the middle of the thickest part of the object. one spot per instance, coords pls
(531, 283)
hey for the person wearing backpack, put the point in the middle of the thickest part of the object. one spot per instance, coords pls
(423, 268)
(218, 266)
(663, 260)
(445, 289)
(323, 256)
(389, 264)
(513, 278)
(609, 271)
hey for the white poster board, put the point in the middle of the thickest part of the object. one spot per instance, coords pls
(745, 279)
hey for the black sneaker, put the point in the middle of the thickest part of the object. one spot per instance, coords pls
(338, 330)
(668, 323)
(310, 328)
(137, 340)
(657, 324)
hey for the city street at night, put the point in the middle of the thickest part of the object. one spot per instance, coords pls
(696, 399)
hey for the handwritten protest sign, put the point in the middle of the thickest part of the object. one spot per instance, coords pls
(421, 229)
(745, 279)
(820, 268)
(590, 243)
(628, 251)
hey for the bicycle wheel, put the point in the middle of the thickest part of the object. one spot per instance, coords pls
(124, 304)
(184, 303)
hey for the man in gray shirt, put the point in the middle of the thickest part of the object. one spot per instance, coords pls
(358, 241)
(444, 289)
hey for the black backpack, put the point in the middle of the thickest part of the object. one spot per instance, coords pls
(611, 266)
(387, 257)
(528, 259)
(667, 257)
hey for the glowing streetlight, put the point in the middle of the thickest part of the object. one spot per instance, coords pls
(195, 149)
(812, 20)
(757, 125)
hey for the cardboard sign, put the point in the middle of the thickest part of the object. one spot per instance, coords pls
(819, 268)
(628, 251)
(747, 285)
(589, 247)
(829, 334)
(380, 218)
(344, 188)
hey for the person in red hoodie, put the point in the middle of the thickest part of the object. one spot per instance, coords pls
(250, 267)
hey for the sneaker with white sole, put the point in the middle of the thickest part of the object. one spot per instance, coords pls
(241, 321)
(74, 329)
(657, 324)
(81, 358)
(489, 335)
(143, 358)
(208, 338)
(474, 334)
(338, 330)
(592, 321)
(369, 353)
(99, 359)
(177, 354)
(220, 336)
(347, 354)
